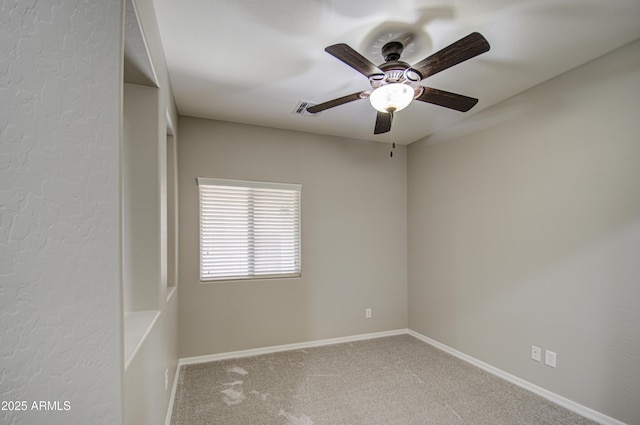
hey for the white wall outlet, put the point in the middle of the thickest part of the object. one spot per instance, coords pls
(166, 379)
(535, 353)
(550, 358)
(367, 313)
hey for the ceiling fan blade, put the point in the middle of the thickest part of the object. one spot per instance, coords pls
(448, 100)
(354, 59)
(337, 102)
(466, 48)
(383, 122)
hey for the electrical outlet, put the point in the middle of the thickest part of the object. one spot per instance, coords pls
(535, 353)
(550, 358)
(367, 313)
(166, 379)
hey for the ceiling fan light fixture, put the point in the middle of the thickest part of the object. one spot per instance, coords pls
(391, 97)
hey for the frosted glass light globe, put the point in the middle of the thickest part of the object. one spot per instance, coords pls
(391, 97)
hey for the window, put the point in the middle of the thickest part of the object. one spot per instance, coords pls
(248, 229)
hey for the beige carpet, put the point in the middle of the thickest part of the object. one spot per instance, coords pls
(396, 380)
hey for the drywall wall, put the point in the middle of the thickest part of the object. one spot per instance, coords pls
(146, 399)
(153, 42)
(353, 239)
(141, 172)
(149, 118)
(524, 228)
(60, 211)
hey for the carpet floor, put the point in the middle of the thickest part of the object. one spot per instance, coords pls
(396, 380)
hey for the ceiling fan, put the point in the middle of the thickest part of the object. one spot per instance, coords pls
(391, 81)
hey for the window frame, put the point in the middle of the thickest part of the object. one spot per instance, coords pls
(251, 248)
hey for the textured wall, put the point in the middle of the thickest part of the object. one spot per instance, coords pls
(353, 239)
(60, 76)
(526, 230)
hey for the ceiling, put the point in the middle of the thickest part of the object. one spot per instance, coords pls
(252, 61)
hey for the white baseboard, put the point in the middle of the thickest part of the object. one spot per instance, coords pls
(555, 398)
(286, 347)
(174, 388)
(267, 350)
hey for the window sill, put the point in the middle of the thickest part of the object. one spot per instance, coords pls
(137, 326)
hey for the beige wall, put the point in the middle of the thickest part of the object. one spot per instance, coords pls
(353, 239)
(526, 230)
(151, 112)
(146, 400)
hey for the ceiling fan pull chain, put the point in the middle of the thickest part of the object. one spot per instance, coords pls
(393, 143)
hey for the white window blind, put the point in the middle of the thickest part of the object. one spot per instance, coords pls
(248, 229)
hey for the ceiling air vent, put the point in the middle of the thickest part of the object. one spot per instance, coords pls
(301, 108)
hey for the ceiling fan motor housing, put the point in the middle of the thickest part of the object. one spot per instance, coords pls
(392, 51)
(394, 72)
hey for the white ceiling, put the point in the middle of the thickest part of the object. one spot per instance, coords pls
(251, 61)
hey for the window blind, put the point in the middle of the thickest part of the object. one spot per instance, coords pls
(248, 229)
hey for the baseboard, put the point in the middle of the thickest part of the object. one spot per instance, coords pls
(286, 347)
(555, 398)
(174, 388)
(268, 350)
